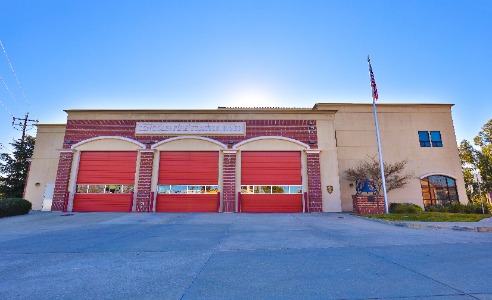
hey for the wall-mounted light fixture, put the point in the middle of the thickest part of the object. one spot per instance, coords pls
(37, 184)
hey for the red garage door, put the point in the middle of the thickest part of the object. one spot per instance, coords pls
(105, 181)
(271, 182)
(188, 182)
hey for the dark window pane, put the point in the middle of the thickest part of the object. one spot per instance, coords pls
(196, 189)
(424, 183)
(96, 188)
(178, 189)
(436, 138)
(423, 136)
(451, 182)
(426, 195)
(277, 189)
(424, 139)
(453, 195)
(295, 189)
(164, 189)
(435, 135)
(247, 189)
(113, 189)
(82, 188)
(437, 181)
(212, 189)
(127, 188)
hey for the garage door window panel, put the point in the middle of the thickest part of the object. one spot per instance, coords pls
(187, 189)
(104, 188)
(270, 189)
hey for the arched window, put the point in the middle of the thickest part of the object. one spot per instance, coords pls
(439, 190)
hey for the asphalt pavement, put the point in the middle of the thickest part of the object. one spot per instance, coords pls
(53, 255)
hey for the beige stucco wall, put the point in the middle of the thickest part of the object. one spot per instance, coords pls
(329, 165)
(44, 162)
(228, 114)
(399, 126)
(108, 143)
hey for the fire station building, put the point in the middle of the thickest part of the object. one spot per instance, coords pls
(239, 159)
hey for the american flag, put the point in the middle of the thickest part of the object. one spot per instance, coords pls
(373, 82)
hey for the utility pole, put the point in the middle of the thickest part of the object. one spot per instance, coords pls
(23, 123)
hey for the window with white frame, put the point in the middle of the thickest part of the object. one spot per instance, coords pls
(187, 189)
(104, 188)
(271, 189)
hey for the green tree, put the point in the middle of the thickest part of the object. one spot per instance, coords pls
(477, 157)
(14, 167)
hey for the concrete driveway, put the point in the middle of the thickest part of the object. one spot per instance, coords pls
(46, 255)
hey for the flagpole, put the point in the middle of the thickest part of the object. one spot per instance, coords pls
(380, 152)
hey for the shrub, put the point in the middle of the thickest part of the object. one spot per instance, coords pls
(443, 209)
(14, 207)
(456, 208)
(404, 208)
(431, 208)
(469, 208)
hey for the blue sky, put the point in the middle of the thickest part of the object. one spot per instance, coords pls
(202, 54)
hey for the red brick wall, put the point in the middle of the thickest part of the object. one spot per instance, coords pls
(144, 181)
(62, 178)
(314, 183)
(229, 182)
(363, 205)
(79, 130)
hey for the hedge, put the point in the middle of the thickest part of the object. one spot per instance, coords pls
(404, 208)
(14, 207)
(469, 208)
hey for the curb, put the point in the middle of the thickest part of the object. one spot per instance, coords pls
(431, 226)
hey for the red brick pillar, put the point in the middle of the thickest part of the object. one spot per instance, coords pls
(314, 181)
(229, 181)
(368, 204)
(62, 179)
(144, 180)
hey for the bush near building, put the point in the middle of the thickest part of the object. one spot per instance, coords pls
(404, 208)
(14, 207)
(470, 208)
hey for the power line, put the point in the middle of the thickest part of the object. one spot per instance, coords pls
(15, 76)
(10, 92)
(5, 107)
